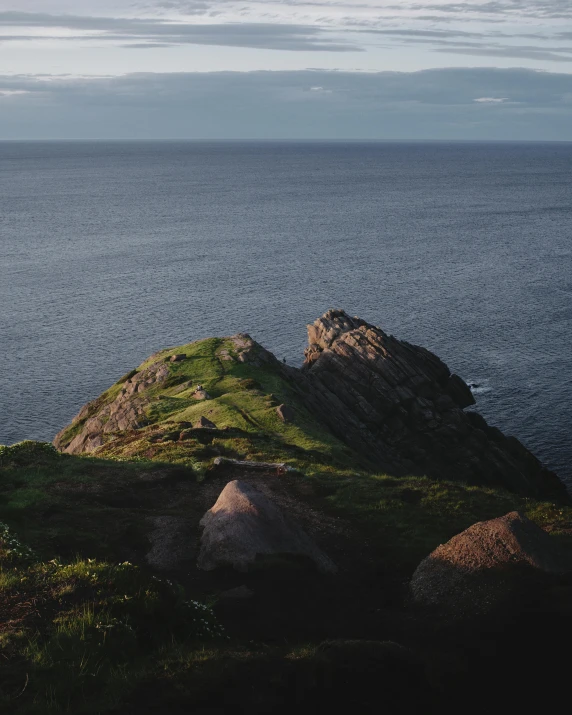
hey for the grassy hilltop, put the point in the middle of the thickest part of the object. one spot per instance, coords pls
(91, 623)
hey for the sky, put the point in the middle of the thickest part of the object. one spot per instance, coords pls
(286, 69)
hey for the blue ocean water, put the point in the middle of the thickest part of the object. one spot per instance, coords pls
(110, 251)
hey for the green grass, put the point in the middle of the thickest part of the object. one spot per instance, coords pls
(244, 397)
(61, 504)
(409, 517)
(88, 634)
(81, 630)
(77, 636)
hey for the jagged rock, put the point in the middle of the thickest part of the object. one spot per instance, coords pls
(125, 412)
(245, 530)
(486, 565)
(249, 351)
(402, 407)
(204, 423)
(285, 413)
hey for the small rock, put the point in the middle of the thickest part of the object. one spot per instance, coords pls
(177, 358)
(201, 394)
(285, 413)
(203, 423)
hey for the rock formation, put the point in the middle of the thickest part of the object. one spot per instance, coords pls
(125, 412)
(486, 565)
(396, 405)
(402, 407)
(245, 529)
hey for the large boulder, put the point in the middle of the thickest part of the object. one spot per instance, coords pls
(246, 530)
(488, 565)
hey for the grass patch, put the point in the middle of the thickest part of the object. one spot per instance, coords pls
(409, 517)
(78, 635)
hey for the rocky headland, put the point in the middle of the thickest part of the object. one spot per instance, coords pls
(395, 404)
(219, 531)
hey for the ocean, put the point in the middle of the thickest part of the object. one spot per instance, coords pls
(111, 251)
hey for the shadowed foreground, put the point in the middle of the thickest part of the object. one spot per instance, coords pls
(124, 591)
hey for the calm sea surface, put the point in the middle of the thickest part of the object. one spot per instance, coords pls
(112, 251)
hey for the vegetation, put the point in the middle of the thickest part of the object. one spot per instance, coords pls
(89, 627)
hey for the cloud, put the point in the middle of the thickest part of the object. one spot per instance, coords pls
(161, 33)
(316, 25)
(503, 8)
(431, 104)
(537, 9)
(558, 54)
(12, 92)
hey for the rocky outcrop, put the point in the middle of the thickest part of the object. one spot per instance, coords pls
(126, 411)
(487, 565)
(400, 405)
(397, 406)
(245, 530)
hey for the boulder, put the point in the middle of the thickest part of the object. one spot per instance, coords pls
(285, 413)
(487, 565)
(201, 394)
(246, 530)
(204, 423)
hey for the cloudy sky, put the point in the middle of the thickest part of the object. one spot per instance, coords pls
(331, 69)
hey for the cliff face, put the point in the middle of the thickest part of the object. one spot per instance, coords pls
(396, 406)
(402, 405)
